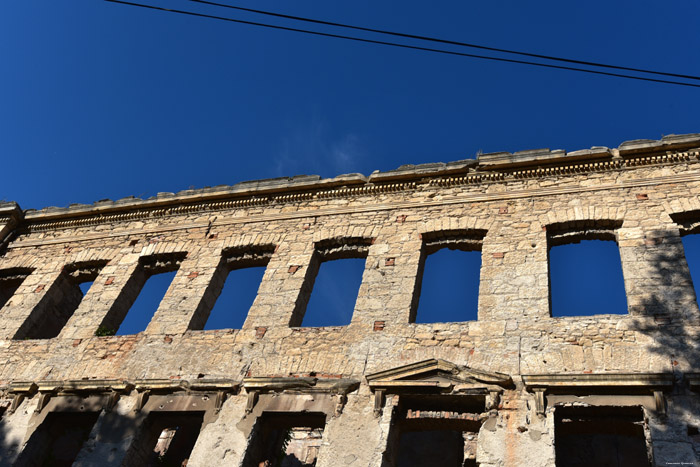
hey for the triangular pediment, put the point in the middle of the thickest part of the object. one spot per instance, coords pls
(437, 374)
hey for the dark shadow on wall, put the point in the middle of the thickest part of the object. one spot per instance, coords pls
(668, 317)
(8, 449)
(669, 313)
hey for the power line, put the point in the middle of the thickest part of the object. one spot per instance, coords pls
(404, 46)
(443, 41)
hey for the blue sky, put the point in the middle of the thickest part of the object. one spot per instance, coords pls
(100, 100)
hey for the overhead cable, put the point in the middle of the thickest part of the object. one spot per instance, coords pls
(443, 41)
(404, 46)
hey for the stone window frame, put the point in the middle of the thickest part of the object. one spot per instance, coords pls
(57, 300)
(467, 239)
(612, 390)
(329, 249)
(605, 418)
(574, 231)
(568, 232)
(461, 398)
(232, 258)
(11, 278)
(289, 396)
(147, 266)
(688, 222)
(172, 397)
(68, 396)
(102, 396)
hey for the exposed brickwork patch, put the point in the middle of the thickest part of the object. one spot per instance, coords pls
(443, 414)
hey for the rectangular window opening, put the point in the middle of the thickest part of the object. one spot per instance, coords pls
(233, 288)
(586, 279)
(448, 279)
(332, 284)
(691, 247)
(140, 297)
(286, 439)
(600, 436)
(145, 306)
(689, 228)
(60, 301)
(59, 439)
(166, 439)
(10, 280)
(436, 430)
(585, 270)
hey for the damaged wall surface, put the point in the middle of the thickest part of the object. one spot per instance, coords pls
(516, 387)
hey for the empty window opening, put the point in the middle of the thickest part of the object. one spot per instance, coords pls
(10, 280)
(335, 291)
(285, 440)
(236, 298)
(146, 304)
(166, 439)
(332, 283)
(450, 287)
(60, 301)
(140, 297)
(600, 436)
(586, 279)
(435, 430)
(691, 247)
(58, 440)
(434, 447)
(233, 288)
(585, 270)
(448, 278)
(689, 227)
(85, 286)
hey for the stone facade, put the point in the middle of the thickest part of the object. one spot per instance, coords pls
(509, 389)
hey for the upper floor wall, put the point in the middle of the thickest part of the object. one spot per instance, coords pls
(511, 207)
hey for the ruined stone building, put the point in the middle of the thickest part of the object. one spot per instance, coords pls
(515, 387)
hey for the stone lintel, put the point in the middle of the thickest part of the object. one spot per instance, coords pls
(661, 381)
(301, 384)
(203, 385)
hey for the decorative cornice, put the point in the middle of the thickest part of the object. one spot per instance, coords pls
(444, 201)
(166, 207)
